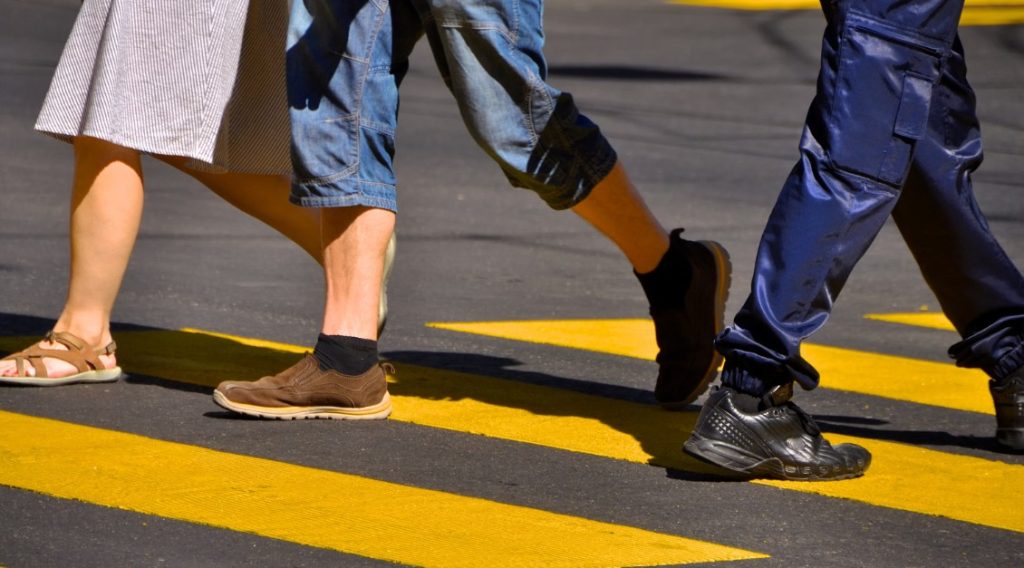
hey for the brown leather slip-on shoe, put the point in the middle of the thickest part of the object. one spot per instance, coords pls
(304, 391)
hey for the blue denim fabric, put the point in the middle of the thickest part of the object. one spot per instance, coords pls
(892, 130)
(346, 60)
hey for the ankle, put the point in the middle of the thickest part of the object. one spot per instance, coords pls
(94, 331)
(666, 285)
(747, 402)
(646, 256)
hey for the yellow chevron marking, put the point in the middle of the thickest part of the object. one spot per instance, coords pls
(976, 12)
(594, 425)
(920, 480)
(930, 320)
(318, 508)
(900, 378)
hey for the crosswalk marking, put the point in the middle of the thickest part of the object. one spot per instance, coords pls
(976, 12)
(594, 425)
(898, 378)
(929, 320)
(319, 508)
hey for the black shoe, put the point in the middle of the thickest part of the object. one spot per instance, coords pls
(687, 359)
(780, 442)
(1008, 396)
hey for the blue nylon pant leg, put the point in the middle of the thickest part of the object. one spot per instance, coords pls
(869, 132)
(976, 284)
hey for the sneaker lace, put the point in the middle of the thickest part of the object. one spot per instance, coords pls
(810, 426)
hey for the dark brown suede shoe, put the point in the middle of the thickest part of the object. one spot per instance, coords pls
(687, 359)
(304, 391)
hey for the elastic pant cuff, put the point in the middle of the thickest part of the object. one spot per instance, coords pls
(744, 381)
(1008, 363)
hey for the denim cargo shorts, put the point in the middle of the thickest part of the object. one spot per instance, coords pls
(346, 60)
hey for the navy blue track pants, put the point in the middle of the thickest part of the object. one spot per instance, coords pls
(892, 130)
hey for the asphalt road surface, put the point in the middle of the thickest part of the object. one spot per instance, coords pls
(527, 444)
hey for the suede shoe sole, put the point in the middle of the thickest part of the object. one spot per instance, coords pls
(378, 411)
(305, 391)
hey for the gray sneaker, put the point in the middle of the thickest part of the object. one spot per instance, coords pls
(304, 391)
(780, 442)
(1008, 397)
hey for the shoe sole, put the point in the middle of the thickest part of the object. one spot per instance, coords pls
(1012, 439)
(723, 272)
(378, 411)
(104, 376)
(735, 459)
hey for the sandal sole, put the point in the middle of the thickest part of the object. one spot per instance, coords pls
(104, 376)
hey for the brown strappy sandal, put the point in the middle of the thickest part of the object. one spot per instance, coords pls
(85, 358)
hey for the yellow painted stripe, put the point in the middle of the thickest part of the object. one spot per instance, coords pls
(926, 481)
(976, 12)
(992, 16)
(595, 425)
(318, 508)
(930, 320)
(888, 376)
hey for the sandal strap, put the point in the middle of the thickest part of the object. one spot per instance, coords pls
(69, 340)
(78, 354)
(28, 354)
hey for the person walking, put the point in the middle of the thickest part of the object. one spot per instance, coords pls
(892, 130)
(346, 60)
(199, 85)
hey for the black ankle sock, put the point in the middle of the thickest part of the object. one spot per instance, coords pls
(348, 355)
(666, 285)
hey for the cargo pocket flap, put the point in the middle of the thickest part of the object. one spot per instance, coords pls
(912, 116)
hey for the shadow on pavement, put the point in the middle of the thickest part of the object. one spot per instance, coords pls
(504, 367)
(195, 361)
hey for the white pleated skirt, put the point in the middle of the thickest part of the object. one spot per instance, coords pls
(202, 79)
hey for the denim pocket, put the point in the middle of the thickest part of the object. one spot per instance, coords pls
(332, 46)
(500, 15)
(883, 91)
(324, 148)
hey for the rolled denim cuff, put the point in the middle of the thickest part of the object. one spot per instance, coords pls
(1009, 363)
(571, 156)
(345, 192)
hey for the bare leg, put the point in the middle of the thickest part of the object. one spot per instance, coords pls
(106, 209)
(264, 197)
(354, 243)
(616, 209)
